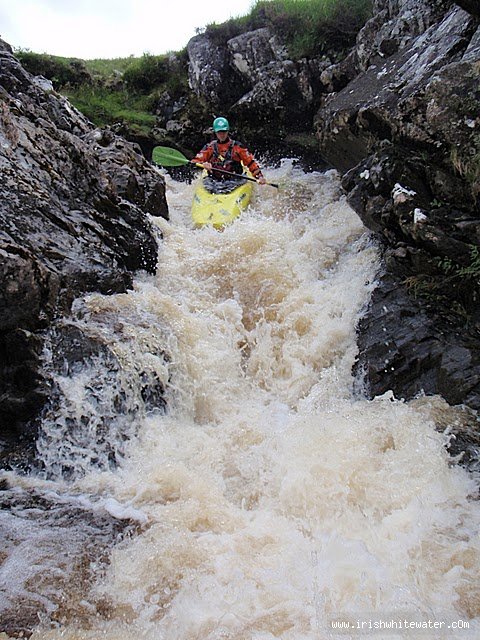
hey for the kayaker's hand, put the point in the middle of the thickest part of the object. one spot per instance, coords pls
(261, 180)
(207, 166)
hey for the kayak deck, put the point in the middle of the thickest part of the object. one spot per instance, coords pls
(221, 208)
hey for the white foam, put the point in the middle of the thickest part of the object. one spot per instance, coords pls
(274, 499)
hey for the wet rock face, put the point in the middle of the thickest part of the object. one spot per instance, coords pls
(471, 6)
(420, 333)
(73, 211)
(406, 347)
(405, 131)
(210, 74)
(251, 79)
(410, 97)
(250, 52)
(394, 25)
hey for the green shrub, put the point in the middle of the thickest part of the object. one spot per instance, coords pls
(455, 287)
(312, 27)
(471, 272)
(146, 73)
(220, 34)
(308, 27)
(61, 71)
(150, 73)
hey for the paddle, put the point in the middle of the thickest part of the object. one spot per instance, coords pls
(167, 157)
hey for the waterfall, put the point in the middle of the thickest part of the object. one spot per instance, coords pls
(257, 493)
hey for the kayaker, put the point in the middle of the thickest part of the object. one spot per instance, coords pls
(227, 154)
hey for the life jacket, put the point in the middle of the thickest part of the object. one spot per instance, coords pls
(227, 162)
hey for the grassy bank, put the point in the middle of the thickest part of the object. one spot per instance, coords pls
(104, 106)
(114, 90)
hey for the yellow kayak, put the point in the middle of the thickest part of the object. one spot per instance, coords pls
(222, 207)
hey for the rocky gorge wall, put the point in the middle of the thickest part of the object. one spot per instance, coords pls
(74, 205)
(405, 132)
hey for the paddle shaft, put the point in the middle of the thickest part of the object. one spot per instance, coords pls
(175, 158)
(237, 175)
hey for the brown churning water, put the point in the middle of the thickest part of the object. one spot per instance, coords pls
(271, 501)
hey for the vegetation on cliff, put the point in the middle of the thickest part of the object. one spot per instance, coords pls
(129, 90)
(308, 27)
(123, 90)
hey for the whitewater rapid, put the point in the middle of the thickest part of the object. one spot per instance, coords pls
(270, 500)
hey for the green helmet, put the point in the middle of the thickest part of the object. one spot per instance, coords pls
(221, 124)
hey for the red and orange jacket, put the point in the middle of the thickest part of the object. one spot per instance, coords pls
(229, 155)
